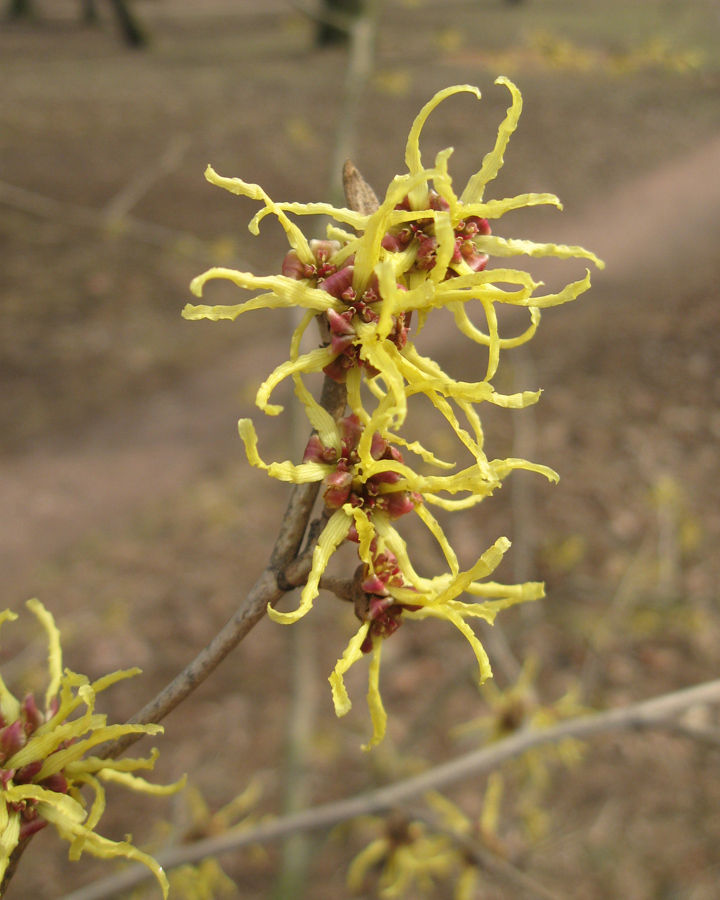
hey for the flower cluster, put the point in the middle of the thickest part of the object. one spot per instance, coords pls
(43, 766)
(372, 286)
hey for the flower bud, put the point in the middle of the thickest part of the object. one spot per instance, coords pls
(339, 282)
(28, 772)
(397, 505)
(293, 267)
(12, 738)
(33, 717)
(56, 782)
(324, 250)
(337, 489)
(373, 585)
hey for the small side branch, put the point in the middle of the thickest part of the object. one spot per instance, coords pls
(660, 712)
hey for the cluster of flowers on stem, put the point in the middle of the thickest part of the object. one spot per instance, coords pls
(372, 284)
(44, 766)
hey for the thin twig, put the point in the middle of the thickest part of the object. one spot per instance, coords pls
(655, 713)
(268, 589)
(133, 192)
(181, 242)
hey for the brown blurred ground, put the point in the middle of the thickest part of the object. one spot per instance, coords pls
(126, 504)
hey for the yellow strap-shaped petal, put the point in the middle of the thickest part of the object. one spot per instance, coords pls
(352, 654)
(497, 246)
(54, 648)
(493, 209)
(339, 214)
(136, 783)
(59, 759)
(434, 527)
(503, 467)
(314, 361)
(296, 238)
(413, 159)
(492, 163)
(9, 705)
(377, 710)
(485, 566)
(100, 846)
(93, 764)
(332, 536)
(366, 860)
(305, 473)
(9, 836)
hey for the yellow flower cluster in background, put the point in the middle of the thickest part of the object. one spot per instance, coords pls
(43, 762)
(372, 286)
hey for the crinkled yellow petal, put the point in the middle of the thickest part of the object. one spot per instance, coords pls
(517, 593)
(455, 505)
(100, 846)
(352, 654)
(98, 808)
(433, 526)
(64, 806)
(113, 677)
(314, 361)
(494, 342)
(353, 385)
(54, 649)
(389, 303)
(377, 710)
(413, 159)
(136, 783)
(497, 246)
(285, 292)
(61, 758)
(451, 816)
(493, 209)
(467, 884)
(385, 357)
(490, 815)
(92, 764)
(569, 292)
(446, 612)
(366, 533)
(417, 448)
(366, 860)
(319, 418)
(485, 566)
(504, 466)
(296, 238)
(398, 546)
(43, 745)
(305, 473)
(492, 163)
(332, 536)
(339, 214)
(9, 705)
(9, 836)
(469, 330)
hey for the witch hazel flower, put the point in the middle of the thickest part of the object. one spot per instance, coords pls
(371, 287)
(424, 248)
(44, 763)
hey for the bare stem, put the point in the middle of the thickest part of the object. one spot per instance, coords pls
(659, 712)
(268, 589)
